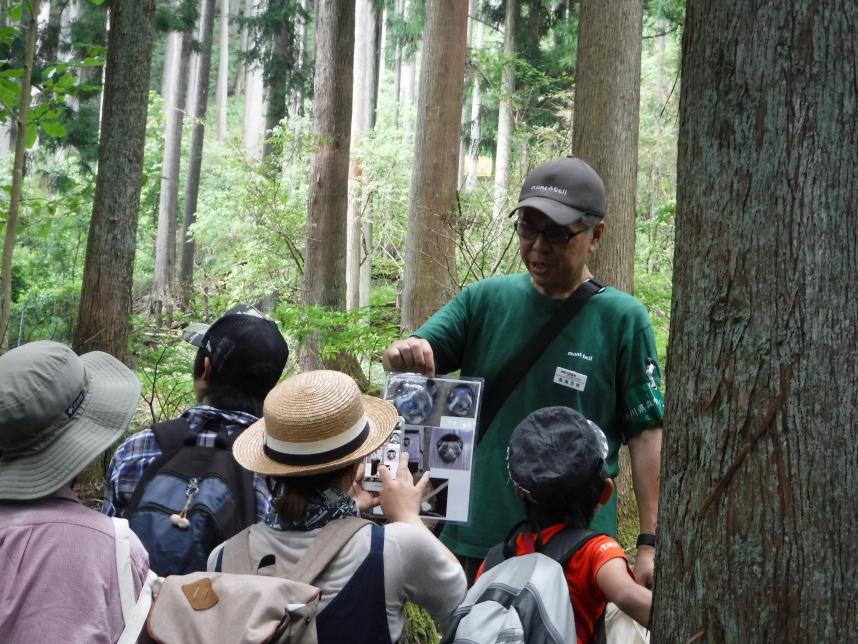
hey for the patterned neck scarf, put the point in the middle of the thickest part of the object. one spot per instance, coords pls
(323, 506)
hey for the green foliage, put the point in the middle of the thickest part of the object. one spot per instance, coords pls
(419, 626)
(165, 368)
(364, 332)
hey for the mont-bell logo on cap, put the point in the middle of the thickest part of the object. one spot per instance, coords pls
(75, 405)
(555, 189)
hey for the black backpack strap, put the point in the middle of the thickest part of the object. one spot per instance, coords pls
(171, 435)
(520, 363)
(502, 551)
(563, 545)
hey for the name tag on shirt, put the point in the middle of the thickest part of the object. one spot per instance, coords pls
(571, 379)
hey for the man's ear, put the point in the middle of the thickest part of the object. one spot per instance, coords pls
(207, 369)
(598, 231)
(607, 492)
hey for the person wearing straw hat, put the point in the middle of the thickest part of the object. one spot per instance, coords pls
(61, 576)
(315, 432)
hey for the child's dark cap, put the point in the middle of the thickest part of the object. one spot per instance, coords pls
(555, 451)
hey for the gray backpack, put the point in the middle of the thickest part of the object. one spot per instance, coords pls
(520, 600)
(243, 607)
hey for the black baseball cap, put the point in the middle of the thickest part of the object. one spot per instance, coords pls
(246, 349)
(563, 189)
(555, 451)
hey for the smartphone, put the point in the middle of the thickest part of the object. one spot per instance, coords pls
(387, 455)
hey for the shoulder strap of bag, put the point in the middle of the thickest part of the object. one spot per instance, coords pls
(563, 545)
(520, 363)
(171, 434)
(235, 554)
(134, 611)
(325, 547)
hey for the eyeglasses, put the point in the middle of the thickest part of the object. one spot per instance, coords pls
(554, 235)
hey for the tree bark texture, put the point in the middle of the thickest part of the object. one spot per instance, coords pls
(606, 121)
(223, 72)
(325, 245)
(759, 516)
(195, 158)
(105, 301)
(429, 249)
(165, 241)
(17, 174)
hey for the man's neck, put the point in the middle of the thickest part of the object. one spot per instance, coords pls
(565, 292)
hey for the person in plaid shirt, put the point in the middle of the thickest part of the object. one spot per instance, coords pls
(241, 357)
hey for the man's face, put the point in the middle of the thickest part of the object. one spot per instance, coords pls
(557, 269)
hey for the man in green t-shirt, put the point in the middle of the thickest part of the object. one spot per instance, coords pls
(603, 363)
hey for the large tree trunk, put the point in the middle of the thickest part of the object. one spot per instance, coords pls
(605, 129)
(105, 301)
(503, 153)
(194, 65)
(195, 159)
(605, 134)
(17, 174)
(757, 523)
(223, 72)
(165, 241)
(397, 68)
(430, 250)
(325, 246)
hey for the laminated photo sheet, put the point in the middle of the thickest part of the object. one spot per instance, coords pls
(439, 431)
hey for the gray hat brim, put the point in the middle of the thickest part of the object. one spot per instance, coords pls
(112, 393)
(194, 333)
(559, 213)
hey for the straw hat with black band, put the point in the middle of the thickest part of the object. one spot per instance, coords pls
(314, 422)
(58, 412)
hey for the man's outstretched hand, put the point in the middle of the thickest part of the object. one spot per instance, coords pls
(410, 354)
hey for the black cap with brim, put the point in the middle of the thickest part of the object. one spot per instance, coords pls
(558, 213)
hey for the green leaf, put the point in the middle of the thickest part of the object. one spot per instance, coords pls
(54, 129)
(30, 134)
(14, 72)
(16, 12)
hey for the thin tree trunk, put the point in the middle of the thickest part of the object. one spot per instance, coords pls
(277, 77)
(430, 249)
(397, 70)
(757, 521)
(223, 72)
(194, 66)
(17, 174)
(358, 129)
(254, 98)
(49, 47)
(371, 98)
(165, 242)
(325, 246)
(503, 152)
(171, 52)
(463, 143)
(476, 101)
(105, 302)
(195, 160)
(241, 74)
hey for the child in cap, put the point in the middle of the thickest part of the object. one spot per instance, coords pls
(556, 461)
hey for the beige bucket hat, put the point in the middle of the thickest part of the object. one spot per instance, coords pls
(58, 412)
(314, 422)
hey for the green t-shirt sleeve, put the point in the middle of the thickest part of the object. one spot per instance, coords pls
(641, 401)
(447, 331)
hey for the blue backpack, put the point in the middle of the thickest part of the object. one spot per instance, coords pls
(190, 499)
